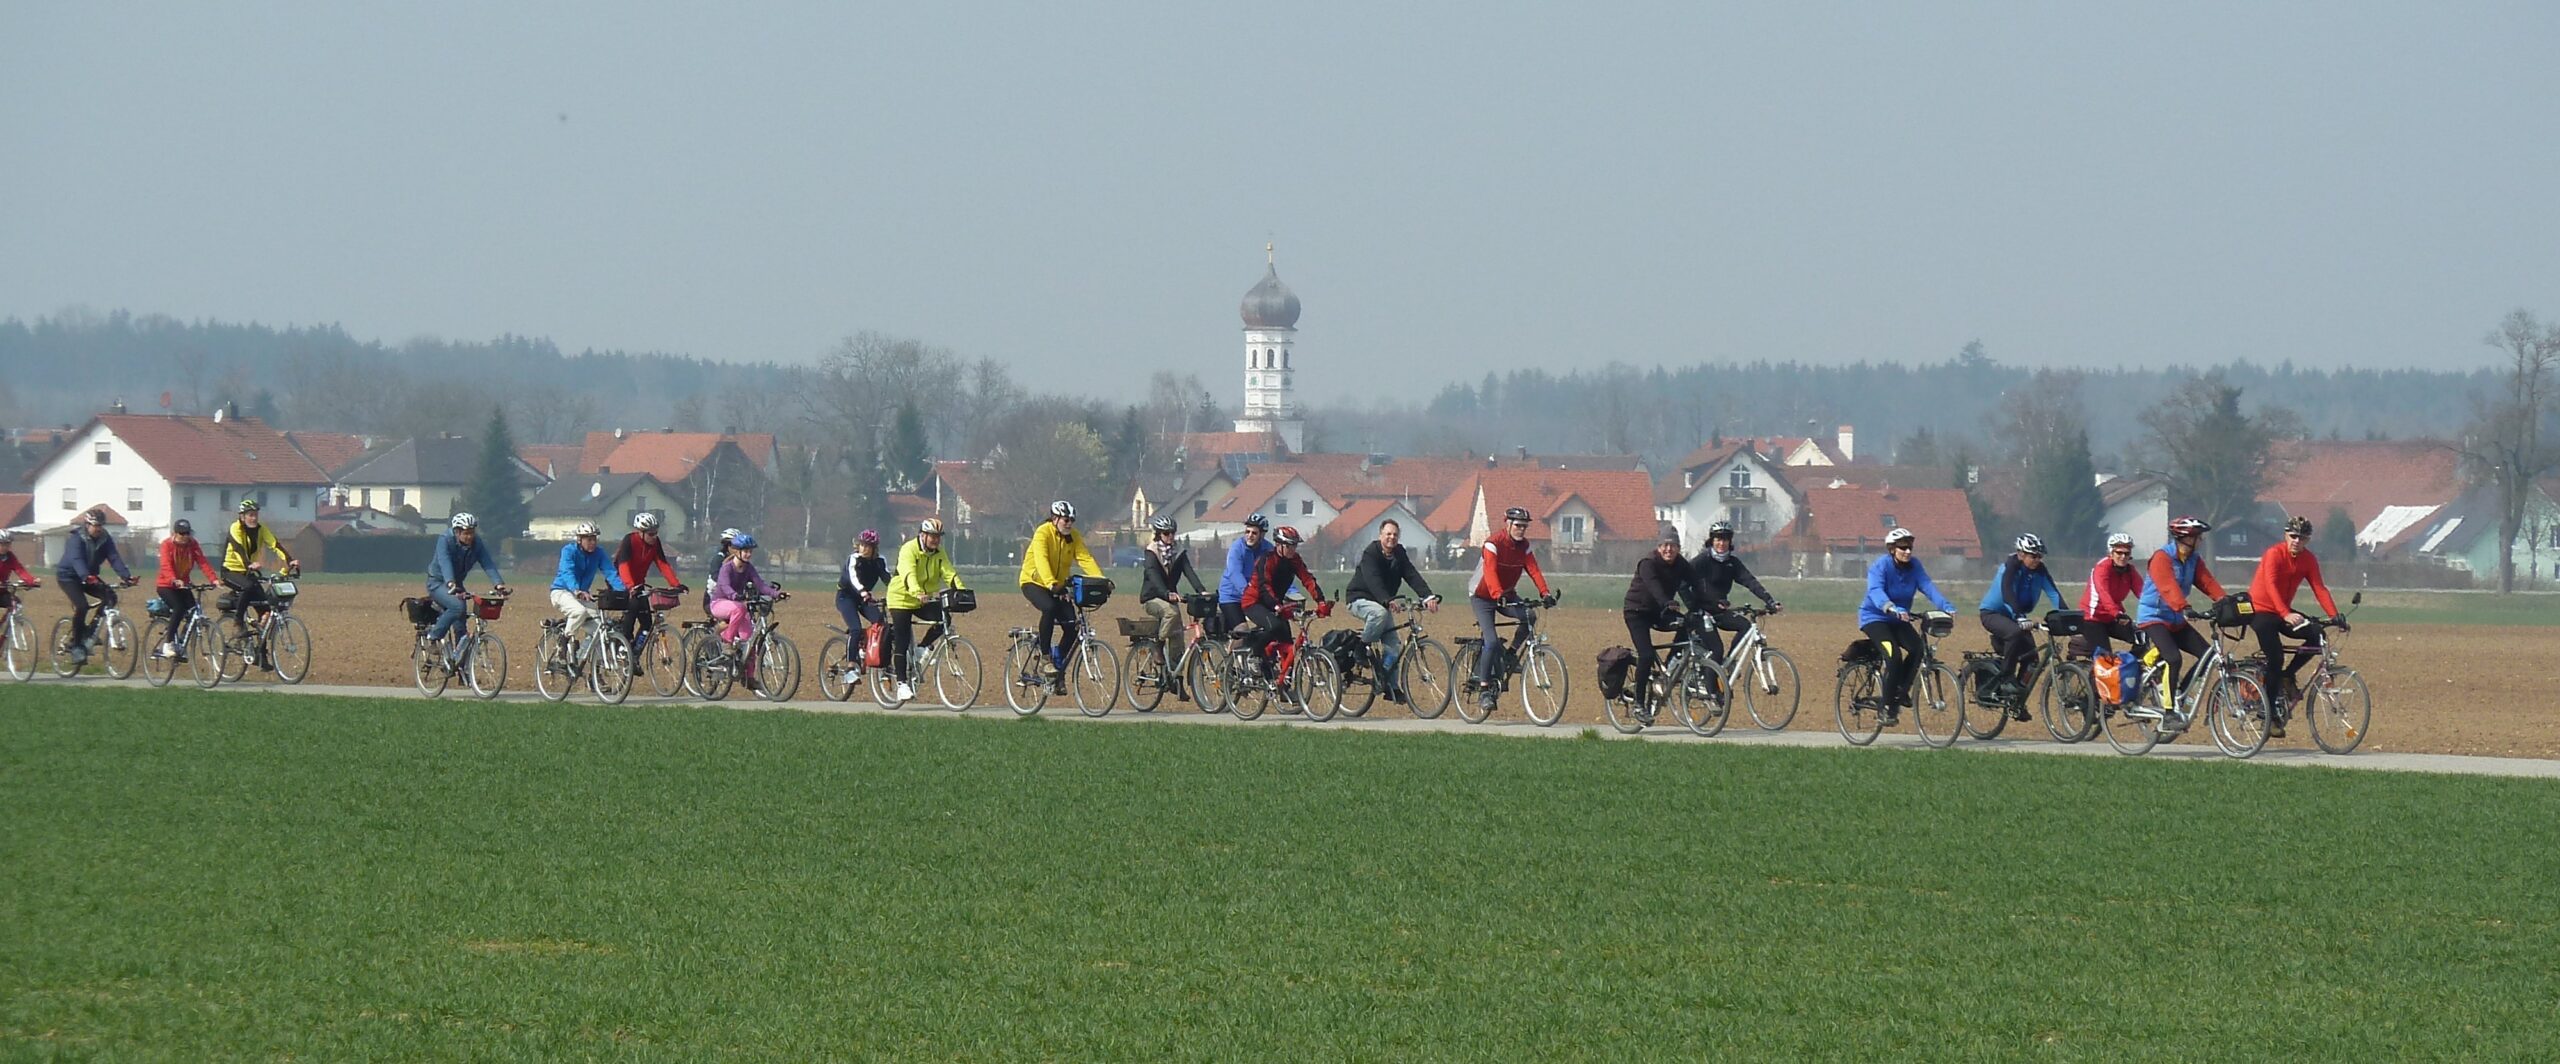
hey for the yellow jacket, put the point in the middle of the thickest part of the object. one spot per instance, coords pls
(921, 574)
(236, 559)
(1045, 561)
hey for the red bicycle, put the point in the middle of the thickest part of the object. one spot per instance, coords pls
(1247, 681)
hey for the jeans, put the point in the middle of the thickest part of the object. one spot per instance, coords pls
(80, 593)
(451, 604)
(857, 612)
(1486, 610)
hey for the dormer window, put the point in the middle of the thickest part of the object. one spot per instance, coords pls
(103, 452)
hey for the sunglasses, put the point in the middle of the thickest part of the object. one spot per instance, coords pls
(2296, 536)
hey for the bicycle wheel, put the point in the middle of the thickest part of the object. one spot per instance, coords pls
(1143, 684)
(836, 674)
(555, 671)
(119, 650)
(1622, 712)
(2239, 713)
(426, 666)
(488, 665)
(235, 656)
(18, 649)
(777, 668)
(1982, 721)
(1248, 694)
(1853, 697)
(1093, 675)
(1545, 686)
(2070, 703)
(1026, 677)
(1693, 703)
(693, 651)
(1358, 683)
(2132, 728)
(2339, 708)
(1423, 674)
(60, 646)
(203, 649)
(1205, 676)
(289, 649)
(609, 675)
(1316, 682)
(661, 656)
(159, 668)
(1771, 689)
(1937, 707)
(957, 676)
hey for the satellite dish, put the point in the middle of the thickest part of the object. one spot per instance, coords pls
(595, 489)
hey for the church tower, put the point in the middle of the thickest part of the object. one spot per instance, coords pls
(1270, 330)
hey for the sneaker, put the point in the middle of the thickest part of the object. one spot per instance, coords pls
(167, 650)
(1484, 701)
(2275, 728)
(906, 693)
(2019, 712)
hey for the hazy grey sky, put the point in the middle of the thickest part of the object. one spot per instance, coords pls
(1453, 187)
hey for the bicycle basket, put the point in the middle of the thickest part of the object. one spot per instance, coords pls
(2065, 622)
(283, 590)
(1201, 607)
(489, 608)
(420, 611)
(665, 600)
(1137, 628)
(1096, 591)
(2233, 610)
(963, 600)
(1938, 625)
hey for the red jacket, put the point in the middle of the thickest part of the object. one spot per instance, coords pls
(1498, 569)
(2280, 575)
(635, 557)
(10, 564)
(2109, 585)
(1271, 576)
(178, 560)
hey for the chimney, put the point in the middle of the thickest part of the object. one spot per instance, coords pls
(1524, 453)
(604, 470)
(119, 407)
(1848, 443)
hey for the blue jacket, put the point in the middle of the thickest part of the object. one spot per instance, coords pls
(578, 569)
(2015, 588)
(1890, 587)
(2154, 608)
(1241, 560)
(451, 562)
(82, 556)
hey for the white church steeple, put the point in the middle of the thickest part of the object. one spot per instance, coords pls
(1270, 330)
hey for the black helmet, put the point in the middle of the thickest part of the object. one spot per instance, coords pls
(183, 527)
(1516, 513)
(1257, 521)
(2298, 526)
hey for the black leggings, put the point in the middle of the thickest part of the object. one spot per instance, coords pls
(1057, 620)
(1900, 645)
(902, 635)
(80, 593)
(2095, 637)
(245, 589)
(178, 600)
(2172, 641)
(2271, 631)
(1641, 625)
(2011, 640)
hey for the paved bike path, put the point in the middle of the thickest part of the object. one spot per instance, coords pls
(1385, 717)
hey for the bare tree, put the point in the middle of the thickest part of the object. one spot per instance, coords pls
(2507, 447)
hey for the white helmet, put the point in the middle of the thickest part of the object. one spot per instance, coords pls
(1898, 535)
(2119, 539)
(2030, 543)
(1062, 508)
(729, 535)
(645, 520)
(464, 522)
(584, 529)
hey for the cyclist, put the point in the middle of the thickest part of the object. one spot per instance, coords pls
(1662, 580)
(2020, 582)
(1165, 563)
(2175, 568)
(1885, 616)
(923, 573)
(13, 573)
(1054, 548)
(1715, 569)
(737, 582)
(244, 551)
(1506, 556)
(77, 575)
(1247, 551)
(180, 557)
(581, 559)
(640, 552)
(2282, 570)
(2113, 580)
(859, 586)
(1270, 585)
(456, 552)
(1384, 566)
(719, 557)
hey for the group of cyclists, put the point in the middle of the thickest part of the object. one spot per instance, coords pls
(90, 552)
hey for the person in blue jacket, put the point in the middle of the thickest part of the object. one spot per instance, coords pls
(1885, 616)
(1247, 553)
(90, 552)
(2021, 581)
(456, 552)
(580, 560)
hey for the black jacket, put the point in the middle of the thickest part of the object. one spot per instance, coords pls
(1379, 575)
(1657, 585)
(1155, 578)
(1715, 580)
(873, 570)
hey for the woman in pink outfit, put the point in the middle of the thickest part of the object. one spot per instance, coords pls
(736, 582)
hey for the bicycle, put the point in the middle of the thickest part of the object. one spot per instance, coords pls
(469, 649)
(1984, 682)
(17, 637)
(1701, 697)
(122, 649)
(1762, 673)
(1091, 668)
(1937, 707)
(1423, 668)
(1150, 677)
(602, 657)
(711, 670)
(2340, 706)
(193, 637)
(278, 642)
(1528, 656)
(2226, 691)
(1248, 680)
(657, 651)
(952, 660)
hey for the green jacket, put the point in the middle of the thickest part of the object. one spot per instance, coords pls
(921, 575)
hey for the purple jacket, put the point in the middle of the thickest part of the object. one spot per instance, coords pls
(737, 578)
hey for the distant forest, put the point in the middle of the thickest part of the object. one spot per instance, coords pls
(60, 369)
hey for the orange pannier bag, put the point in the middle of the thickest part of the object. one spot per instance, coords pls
(2108, 675)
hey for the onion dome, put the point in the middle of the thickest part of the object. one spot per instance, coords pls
(1270, 305)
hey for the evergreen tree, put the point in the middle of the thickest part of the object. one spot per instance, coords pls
(2337, 536)
(907, 456)
(495, 493)
(2061, 501)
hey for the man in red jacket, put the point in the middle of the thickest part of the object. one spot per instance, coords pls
(1269, 587)
(640, 552)
(2282, 570)
(180, 557)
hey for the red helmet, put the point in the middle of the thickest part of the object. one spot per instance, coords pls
(2184, 525)
(1287, 535)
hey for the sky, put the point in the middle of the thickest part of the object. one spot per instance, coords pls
(1084, 192)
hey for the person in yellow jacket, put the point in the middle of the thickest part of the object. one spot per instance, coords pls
(1045, 562)
(244, 551)
(915, 590)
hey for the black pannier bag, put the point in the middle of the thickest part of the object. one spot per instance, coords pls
(1616, 664)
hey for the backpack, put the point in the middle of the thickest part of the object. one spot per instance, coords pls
(1615, 664)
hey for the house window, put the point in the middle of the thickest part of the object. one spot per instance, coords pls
(226, 501)
(1887, 521)
(262, 497)
(365, 494)
(102, 452)
(1306, 506)
(70, 498)
(293, 501)
(1739, 478)
(133, 500)
(1199, 508)
(187, 500)
(1572, 528)
(639, 502)
(399, 498)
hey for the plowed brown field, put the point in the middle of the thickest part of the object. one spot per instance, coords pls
(2437, 689)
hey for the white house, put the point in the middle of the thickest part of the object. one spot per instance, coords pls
(611, 500)
(2138, 504)
(156, 468)
(1726, 482)
(1279, 493)
(1342, 540)
(428, 474)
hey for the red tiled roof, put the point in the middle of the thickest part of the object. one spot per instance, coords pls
(189, 449)
(331, 451)
(553, 460)
(960, 479)
(1353, 518)
(16, 509)
(1197, 445)
(1857, 518)
(908, 511)
(668, 456)
(1621, 501)
(1265, 482)
(114, 519)
(2362, 476)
